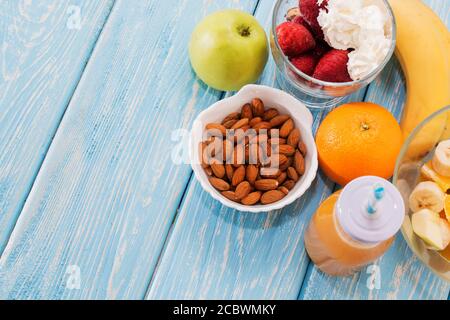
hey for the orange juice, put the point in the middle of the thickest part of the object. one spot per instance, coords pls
(340, 251)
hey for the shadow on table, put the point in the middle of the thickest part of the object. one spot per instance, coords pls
(302, 209)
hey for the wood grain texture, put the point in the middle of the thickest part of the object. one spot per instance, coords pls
(43, 53)
(107, 195)
(217, 253)
(107, 191)
(403, 276)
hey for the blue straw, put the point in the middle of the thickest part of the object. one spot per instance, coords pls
(378, 194)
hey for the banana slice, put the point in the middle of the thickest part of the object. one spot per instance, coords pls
(441, 158)
(427, 195)
(431, 229)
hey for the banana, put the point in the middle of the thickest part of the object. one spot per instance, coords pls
(427, 195)
(431, 229)
(423, 49)
(428, 173)
(441, 159)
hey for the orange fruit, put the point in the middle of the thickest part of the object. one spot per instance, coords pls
(358, 139)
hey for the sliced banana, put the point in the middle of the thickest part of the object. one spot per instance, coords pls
(441, 158)
(431, 229)
(427, 195)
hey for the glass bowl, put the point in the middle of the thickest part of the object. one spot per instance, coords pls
(317, 94)
(417, 150)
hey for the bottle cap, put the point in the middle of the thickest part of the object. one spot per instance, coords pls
(370, 209)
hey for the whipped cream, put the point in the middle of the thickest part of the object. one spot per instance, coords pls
(362, 25)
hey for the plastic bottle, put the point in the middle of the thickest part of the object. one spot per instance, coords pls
(355, 226)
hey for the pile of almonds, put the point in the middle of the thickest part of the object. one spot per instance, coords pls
(253, 156)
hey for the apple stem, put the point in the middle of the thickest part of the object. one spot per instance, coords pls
(244, 31)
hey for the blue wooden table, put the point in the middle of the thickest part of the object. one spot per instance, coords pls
(91, 206)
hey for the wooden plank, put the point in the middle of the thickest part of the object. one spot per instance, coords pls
(218, 253)
(402, 275)
(43, 52)
(107, 191)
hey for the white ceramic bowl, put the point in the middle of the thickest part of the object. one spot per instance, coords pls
(271, 97)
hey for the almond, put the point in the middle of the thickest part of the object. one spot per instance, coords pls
(247, 153)
(284, 190)
(251, 173)
(279, 120)
(277, 141)
(289, 184)
(218, 169)
(270, 114)
(201, 151)
(281, 178)
(214, 128)
(254, 121)
(272, 196)
(219, 184)
(269, 149)
(261, 138)
(266, 184)
(227, 149)
(299, 163)
(302, 148)
(229, 170)
(238, 176)
(251, 199)
(241, 123)
(242, 190)
(207, 154)
(241, 133)
(229, 123)
(231, 116)
(213, 148)
(286, 128)
(289, 162)
(246, 111)
(230, 195)
(209, 171)
(292, 174)
(240, 166)
(270, 173)
(262, 126)
(281, 158)
(263, 154)
(252, 153)
(286, 149)
(238, 157)
(294, 137)
(258, 107)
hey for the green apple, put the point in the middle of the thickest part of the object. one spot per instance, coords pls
(228, 49)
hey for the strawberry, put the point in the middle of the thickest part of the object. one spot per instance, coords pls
(294, 39)
(300, 20)
(332, 67)
(321, 48)
(306, 63)
(310, 12)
